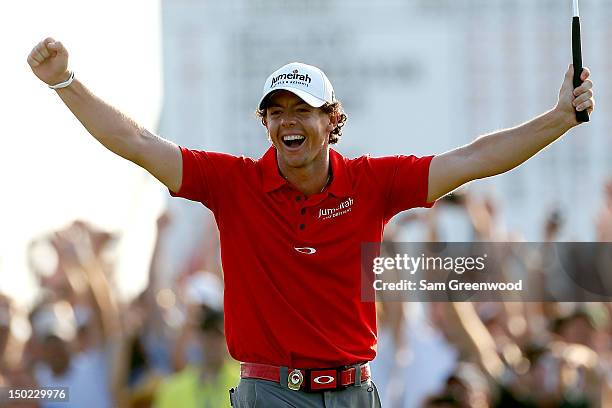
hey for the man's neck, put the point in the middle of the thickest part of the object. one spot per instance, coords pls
(310, 179)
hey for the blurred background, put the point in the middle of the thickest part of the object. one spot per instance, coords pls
(103, 276)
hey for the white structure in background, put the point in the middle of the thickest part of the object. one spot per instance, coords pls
(414, 77)
(54, 172)
(513, 57)
(218, 54)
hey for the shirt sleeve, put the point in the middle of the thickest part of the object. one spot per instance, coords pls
(202, 176)
(406, 183)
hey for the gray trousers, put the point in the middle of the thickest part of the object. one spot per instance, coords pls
(255, 393)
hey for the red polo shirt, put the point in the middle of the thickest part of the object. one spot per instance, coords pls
(291, 263)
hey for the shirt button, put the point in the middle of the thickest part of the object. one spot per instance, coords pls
(303, 211)
(302, 226)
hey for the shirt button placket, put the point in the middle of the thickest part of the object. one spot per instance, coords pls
(302, 211)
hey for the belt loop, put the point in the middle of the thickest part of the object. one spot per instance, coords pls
(357, 374)
(284, 376)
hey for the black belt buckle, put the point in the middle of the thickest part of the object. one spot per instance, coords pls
(322, 377)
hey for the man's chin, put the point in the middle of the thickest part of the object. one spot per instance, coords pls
(296, 162)
(292, 159)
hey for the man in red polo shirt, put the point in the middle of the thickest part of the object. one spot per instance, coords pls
(292, 222)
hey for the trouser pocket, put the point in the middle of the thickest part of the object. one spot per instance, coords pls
(244, 395)
(232, 391)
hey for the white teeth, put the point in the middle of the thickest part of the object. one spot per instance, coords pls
(293, 137)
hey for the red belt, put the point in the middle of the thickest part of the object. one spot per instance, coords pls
(309, 380)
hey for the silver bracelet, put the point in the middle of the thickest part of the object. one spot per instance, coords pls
(65, 83)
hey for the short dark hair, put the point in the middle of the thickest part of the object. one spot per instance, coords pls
(334, 108)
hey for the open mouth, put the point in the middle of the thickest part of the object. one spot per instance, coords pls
(293, 140)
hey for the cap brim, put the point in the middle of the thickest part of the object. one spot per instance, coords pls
(305, 96)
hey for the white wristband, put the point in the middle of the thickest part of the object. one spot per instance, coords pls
(65, 83)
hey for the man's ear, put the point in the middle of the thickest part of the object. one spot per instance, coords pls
(265, 123)
(333, 121)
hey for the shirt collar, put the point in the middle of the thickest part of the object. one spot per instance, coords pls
(340, 185)
(271, 178)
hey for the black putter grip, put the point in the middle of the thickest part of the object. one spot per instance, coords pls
(582, 116)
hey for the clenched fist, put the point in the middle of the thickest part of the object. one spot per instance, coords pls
(49, 61)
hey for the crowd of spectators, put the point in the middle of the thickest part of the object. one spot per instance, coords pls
(166, 348)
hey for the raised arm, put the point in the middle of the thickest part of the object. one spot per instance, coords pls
(499, 152)
(114, 130)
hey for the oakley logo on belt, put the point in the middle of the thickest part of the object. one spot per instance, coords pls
(305, 250)
(324, 379)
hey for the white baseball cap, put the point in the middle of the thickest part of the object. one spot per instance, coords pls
(306, 81)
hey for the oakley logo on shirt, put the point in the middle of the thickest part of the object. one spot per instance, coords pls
(305, 250)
